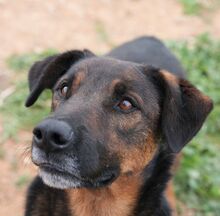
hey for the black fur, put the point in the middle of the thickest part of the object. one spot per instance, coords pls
(152, 200)
(46, 201)
(149, 51)
(170, 107)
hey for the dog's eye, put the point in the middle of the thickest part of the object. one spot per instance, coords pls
(64, 90)
(125, 105)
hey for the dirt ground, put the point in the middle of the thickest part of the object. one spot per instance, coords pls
(27, 25)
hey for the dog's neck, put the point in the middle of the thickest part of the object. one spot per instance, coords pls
(151, 198)
(118, 199)
(137, 194)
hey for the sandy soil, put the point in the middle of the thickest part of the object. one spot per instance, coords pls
(27, 25)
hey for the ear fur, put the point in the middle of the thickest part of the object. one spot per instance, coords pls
(184, 109)
(44, 74)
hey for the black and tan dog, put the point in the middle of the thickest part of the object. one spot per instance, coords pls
(115, 128)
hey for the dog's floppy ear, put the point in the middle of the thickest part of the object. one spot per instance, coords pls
(44, 74)
(184, 108)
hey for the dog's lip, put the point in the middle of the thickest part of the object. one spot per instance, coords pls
(57, 170)
(103, 180)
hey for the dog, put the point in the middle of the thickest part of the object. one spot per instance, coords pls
(117, 123)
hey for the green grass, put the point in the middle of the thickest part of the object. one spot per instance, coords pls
(15, 115)
(198, 179)
(196, 7)
(23, 180)
(23, 62)
(2, 153)
(191, 7)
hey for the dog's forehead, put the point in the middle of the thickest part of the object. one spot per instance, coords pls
(106, 68)
(101, 73)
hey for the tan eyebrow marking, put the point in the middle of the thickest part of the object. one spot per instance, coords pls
(113, 84)
(77, 81)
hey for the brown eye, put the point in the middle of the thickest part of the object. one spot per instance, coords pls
(125, 105)
(64, 90)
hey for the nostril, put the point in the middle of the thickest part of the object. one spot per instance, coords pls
(58, 138)
(38, 134)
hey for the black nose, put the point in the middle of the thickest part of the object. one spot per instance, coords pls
(52, 135)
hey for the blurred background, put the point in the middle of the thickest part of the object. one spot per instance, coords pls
(31, 30)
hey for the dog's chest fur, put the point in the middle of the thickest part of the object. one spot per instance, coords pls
(127, 196)
(119, 199)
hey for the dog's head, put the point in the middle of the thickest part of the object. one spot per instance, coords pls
(109, 117)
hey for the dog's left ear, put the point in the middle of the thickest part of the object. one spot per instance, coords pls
(184, 108)
(45, 73)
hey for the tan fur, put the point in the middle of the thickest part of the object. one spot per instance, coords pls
(117, 199)
(120, 197)
(135, 159)
(77, 80)
(113, 84)
(75, 85)
(126, 123)
(171, 79)
(170, 194)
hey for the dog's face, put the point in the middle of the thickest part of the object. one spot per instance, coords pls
(109, 118)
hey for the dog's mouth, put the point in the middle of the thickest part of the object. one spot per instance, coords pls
(57, 177)
(106, 178)
(57, 171)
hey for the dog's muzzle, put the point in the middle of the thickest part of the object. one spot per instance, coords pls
(53, 135)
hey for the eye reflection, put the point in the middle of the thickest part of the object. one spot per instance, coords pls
(64, 90)
(125, 105)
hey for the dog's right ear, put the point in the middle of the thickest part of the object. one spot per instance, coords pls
(44, 74)
(183, 108)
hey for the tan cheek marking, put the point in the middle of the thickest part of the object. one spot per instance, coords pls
(120, 197)
(128, 123)
(134, 159)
